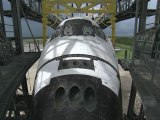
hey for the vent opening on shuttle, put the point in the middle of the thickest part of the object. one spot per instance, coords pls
(59, 97)
(90, 99)
(75, 96)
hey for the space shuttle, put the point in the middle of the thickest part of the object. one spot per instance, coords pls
(77, 76)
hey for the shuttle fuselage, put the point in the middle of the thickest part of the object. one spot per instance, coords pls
(77, 77)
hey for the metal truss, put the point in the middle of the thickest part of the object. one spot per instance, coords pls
(82, 6)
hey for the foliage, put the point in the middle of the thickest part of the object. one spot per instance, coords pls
(124, 40)
(124, 43)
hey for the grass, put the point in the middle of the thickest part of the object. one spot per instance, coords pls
(124, 40)
(121, 54)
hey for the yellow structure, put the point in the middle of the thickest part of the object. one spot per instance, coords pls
(78, 6)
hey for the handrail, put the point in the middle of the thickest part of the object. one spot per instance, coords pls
(37, 7)
(33, 4)
(121, 7)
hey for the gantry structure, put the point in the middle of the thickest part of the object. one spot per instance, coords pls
(60, 7)
(104, 12)
(15, 61)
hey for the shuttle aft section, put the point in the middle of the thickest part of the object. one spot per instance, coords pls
(77, 77)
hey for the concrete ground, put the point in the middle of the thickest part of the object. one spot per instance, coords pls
(31, 74)
(125, 83)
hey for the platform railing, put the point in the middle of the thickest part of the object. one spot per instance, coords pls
(8, 50)
(37, 7)
(8, 54)
(145, 72)
(34, 5)
(124, 5)
(5, 52)
(29, 46)
(121, 7)
(147, 53)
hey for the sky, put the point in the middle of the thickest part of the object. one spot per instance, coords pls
(123, 28)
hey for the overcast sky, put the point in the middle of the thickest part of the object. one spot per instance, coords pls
(123, 28)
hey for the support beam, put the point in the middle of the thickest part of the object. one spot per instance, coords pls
(143, 15)
(25, 86)
(129, 2)
(113, 19)
(157, 19)
(44, 21)
(120, 7)
(141, 113)
(135, 29)
(2, 26)
(131, 101)
(15, 6)
(79, 11)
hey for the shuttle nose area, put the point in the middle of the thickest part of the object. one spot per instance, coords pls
(75, 97)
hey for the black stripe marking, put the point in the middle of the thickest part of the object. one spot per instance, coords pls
(78, 55)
